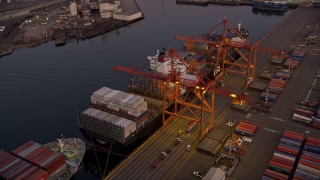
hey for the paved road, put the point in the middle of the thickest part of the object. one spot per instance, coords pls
(181, 163)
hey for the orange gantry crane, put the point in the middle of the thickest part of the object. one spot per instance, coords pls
(201, 87)
(222, 60)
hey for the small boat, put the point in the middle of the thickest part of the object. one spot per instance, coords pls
(60, 40)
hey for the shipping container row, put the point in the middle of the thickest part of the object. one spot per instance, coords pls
(146, 86)
(40, 156)
(12, 167)
(106, 124)
(307, 112)
(283, 161)
(309, 163)
(277, 84)
(295, 58)
(115, 100)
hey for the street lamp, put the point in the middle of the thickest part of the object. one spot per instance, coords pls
(231, 123)
(307, 132)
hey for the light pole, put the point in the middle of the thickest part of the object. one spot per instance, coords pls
(231, 123)
(307, 132)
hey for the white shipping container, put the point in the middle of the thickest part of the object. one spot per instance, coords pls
(123, 101)
(102, 91)
(91, 111)
(135, 101)
(109, 96)
(308, 169)
(284, 156)
(117, 3)
(117, 10)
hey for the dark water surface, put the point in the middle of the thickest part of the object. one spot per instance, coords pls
(41, 88)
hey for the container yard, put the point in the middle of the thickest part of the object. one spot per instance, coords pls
(258, 131)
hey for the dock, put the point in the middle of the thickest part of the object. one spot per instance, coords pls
(147, 162)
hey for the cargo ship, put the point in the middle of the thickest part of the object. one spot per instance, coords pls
(121, 118)
(55, 160)
(277, 6)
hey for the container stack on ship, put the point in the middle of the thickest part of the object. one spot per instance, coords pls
(34, 161)
(209, 52)
(114, 116)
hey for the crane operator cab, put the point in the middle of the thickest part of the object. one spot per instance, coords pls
(188, 147)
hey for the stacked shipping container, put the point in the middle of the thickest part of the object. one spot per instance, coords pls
(12, 167)
(282, 164)
(316, 120)
(309, 162)
(107, 125)
(307, 112)
(276, 84)
(279, 80)
(147, 86)
(294, 59)
(41, 156)
(245, 129)
(120, 102)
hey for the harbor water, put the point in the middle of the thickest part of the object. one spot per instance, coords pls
(41, 88)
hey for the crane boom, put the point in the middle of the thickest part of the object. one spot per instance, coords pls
(142, 73)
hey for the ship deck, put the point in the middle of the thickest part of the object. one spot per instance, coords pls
(146, 162)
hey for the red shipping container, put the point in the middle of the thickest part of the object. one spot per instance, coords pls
(42, 155)
(49, 158)
(248, 125)
(313, 140)
(54, 165)
(287, 150)
(281, 165)
(282, 160)
(278, 81)
(245, 129)
(276, 175)
(38, 175)
(309, 164)
(310, 158)
(296, 177)
(35, 153)
(6, 158)
(293, 136)
(23, 147)
(276, 85)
